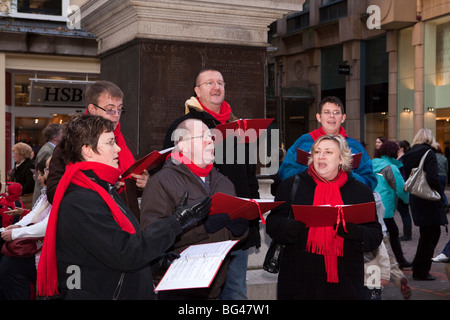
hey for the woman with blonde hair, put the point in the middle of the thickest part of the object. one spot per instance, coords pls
(322, 262)
(427, 215)
(23, 168)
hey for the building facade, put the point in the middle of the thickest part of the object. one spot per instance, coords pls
(46, 61)
(386, 59)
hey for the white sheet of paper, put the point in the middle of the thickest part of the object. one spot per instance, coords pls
(196, 267)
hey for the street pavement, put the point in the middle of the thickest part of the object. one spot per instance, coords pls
(438, 289)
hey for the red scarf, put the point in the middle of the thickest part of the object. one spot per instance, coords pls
(316, 134)
(47, 274)
(126, 158)
(201, 172)
(224, 114)
(323, 240)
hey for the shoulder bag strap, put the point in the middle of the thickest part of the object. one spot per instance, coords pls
(422, 161)
(293, 191)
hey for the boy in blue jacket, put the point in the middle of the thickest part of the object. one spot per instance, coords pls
(331, 116)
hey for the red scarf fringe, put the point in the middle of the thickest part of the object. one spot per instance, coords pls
(324, 240)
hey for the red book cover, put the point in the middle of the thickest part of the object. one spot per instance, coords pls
(237, 207)
(249, 129)
(326, 216)
(150, 161)
(303, 156)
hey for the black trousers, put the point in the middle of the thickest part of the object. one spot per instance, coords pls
(394, 240)
(429, 237)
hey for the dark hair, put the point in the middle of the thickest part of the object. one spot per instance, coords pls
(95, 90)
(388, 148)
(40, 166)
(52, 130)
(405, 145)
(333, 100)
(82, 130)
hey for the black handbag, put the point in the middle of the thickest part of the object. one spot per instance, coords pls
(273, 256)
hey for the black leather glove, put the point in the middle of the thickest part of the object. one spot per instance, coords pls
(216, 222)
(294, 229)
(166, 259)
(189, 214)
(354, 232)
(238, 226)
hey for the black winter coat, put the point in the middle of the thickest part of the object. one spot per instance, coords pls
(425, 212)
(23, 174)
(302, 274)
(90, 239)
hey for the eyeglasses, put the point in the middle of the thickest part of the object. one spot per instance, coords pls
(209, 84)
(334, 113)
(204, 137)
(110, 112)
(111, 142)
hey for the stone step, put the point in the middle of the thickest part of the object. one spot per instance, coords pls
(261, 285)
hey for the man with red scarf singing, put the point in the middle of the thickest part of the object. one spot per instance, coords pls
(210, 107)
(105, 99)
(190, 167)
(331, 116)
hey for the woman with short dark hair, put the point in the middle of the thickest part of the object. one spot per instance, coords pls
(94, 247)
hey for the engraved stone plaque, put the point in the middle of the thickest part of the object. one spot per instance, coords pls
(158, 76)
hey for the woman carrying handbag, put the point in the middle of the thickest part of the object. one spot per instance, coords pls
(428, 215)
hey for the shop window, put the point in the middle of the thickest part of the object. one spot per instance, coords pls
(298, 20)
(49, 7)
(332, 10)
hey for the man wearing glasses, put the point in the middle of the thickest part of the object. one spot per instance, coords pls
(210, 107)
(105, 99)
(190, 168)
(331, 116)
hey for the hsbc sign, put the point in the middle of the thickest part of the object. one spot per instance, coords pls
(60, 93)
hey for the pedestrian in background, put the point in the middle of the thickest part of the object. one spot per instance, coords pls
(428, 215)
(403, 208)
(390, 188)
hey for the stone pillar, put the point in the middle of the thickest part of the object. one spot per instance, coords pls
(154, 49)
(392, 50)
(352, 56)
(419, 71)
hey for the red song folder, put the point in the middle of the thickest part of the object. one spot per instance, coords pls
(326, 216)
(247, 129)
(237, 207)
(150, 161)
(303, 156)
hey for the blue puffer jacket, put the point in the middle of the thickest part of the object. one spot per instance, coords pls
(390, 183)
(290, 166)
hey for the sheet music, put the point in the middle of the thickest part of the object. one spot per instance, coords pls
(196, 267)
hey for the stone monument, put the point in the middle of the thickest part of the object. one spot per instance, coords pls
(153, 50)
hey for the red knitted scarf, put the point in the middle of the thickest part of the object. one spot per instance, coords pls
(317, 133)
(224, 114)
(201, 172)
(126, 158)
(47, 274)
(323, 240)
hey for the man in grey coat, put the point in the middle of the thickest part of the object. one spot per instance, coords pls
(53, 135)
